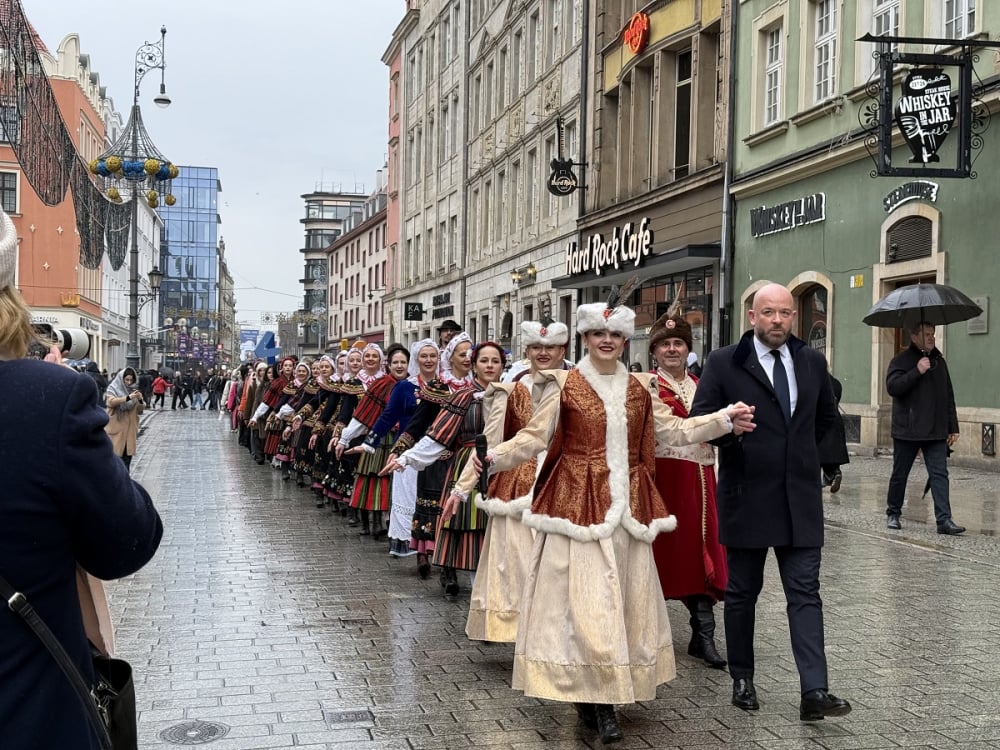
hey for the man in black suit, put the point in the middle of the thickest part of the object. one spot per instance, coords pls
(769, 493)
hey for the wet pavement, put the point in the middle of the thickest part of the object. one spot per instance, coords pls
(264, 622)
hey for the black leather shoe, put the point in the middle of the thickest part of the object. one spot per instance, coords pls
(586, 713)
(744, 694)
(892, 522)
(835, 484)
(607, 724)
(818, 704)
(950, 527)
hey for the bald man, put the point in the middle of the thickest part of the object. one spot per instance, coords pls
(769, 493)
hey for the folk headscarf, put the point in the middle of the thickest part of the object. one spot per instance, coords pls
(414, 366)
(333, 369)
(363, 375)
(449, 350)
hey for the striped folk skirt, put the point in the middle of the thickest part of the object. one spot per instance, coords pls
(459, 542)
(371, 492)
(427, 510)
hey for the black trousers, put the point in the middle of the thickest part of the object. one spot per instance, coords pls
(799, 571)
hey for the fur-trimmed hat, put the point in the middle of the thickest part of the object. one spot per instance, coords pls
(669, 326)
(8, 251)
(551, 334)
(597, 316)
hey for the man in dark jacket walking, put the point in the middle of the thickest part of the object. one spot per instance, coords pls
(924, 419)
(769, 493)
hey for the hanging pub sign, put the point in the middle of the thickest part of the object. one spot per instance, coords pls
(413, 311)
(942, 92)
(925, 112)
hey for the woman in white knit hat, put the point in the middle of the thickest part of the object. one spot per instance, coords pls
(593, 627)
(503, 564)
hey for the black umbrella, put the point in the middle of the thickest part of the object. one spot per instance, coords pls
(910, 305)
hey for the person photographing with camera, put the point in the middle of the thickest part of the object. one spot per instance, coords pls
(125, 403)
(68, 505)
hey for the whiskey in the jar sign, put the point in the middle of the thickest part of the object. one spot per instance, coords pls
(925, 113)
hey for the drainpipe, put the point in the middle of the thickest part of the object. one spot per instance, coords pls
(728, 245)
(581, 205)
(463, 270)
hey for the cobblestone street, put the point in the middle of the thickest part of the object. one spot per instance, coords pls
(264, 622)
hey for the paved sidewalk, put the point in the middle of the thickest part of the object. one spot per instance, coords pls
(275, 624)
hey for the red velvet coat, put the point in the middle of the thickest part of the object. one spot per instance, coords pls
(689, 561)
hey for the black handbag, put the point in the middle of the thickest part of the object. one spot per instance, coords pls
(110, 704)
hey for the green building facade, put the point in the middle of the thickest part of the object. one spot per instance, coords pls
(808, 213)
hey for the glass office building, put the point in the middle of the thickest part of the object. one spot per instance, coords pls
(189, 305)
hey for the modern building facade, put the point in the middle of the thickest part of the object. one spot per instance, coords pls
(326, 212)
(189, 260)
(809, 212)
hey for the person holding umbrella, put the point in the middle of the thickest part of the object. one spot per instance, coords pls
(924, 420)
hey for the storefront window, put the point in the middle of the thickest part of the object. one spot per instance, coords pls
(813, 317)
(695, 291)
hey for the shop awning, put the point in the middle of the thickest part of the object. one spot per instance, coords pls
(678, 260)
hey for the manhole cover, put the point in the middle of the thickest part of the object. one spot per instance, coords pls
(348, 716)
(194, 733)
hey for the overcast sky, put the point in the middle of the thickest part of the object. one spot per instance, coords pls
(280, 96)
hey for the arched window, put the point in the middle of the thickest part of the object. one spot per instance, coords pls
(813, 317)
(910, 238)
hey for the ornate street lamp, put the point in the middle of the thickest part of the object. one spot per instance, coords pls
(133, 170)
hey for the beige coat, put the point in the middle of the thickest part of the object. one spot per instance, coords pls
(123, 427)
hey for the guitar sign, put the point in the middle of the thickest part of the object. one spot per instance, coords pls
(563, 180)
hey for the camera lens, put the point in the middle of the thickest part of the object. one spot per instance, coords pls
(73, 342)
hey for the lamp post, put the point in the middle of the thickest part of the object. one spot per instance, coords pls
(133, 163)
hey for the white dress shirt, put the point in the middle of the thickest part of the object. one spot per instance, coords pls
(766, 360)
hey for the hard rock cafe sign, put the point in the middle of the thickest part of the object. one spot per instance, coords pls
(628, 246)
(925, 113)
(636, 35)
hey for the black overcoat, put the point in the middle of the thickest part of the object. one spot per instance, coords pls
(66, 499)
(769, 490)
(833, 446)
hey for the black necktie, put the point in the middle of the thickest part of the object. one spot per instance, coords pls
(780, 382)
